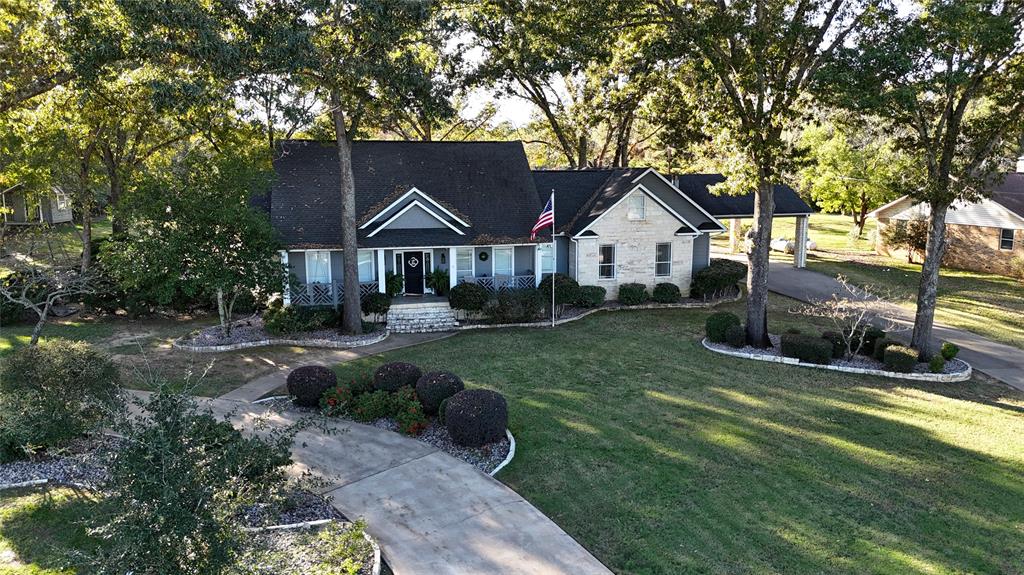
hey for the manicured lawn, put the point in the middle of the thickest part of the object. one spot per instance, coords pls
(661, 457)
(987, 304)
(41, 531)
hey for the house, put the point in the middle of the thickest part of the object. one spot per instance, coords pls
(20, 208)
(467, 208)
(983, 236)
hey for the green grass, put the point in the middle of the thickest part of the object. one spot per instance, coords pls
(662, 457)
(42, 532)
(15, 336)
(65, 242)
(986, 304)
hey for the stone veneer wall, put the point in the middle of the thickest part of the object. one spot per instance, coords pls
(635, 249)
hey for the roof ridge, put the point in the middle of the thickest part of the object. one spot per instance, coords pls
(377, 140)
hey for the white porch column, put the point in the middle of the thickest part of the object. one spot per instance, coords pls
(536, 266)
(800, 251)
(734, 236)
(286, 296)
(381, 283)
(453, 272)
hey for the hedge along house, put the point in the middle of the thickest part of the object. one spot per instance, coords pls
(984, 236)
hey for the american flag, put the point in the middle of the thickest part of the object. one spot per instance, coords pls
(547, 218)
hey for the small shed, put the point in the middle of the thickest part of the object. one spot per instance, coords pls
(22, 209)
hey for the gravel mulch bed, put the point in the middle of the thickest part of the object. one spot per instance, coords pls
(297, 552)
(486, 458)
(251, 330)
(84, 462)
(295, 506)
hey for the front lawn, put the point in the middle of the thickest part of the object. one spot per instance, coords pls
(42, 532)
(661, 457)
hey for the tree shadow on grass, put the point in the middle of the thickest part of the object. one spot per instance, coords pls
(46, 527)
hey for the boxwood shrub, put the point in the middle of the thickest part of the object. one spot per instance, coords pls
(838, 345)
(806, 348)
(949, 350)
(900, 358)
(476, 417)
(937, 364)
(717, 324)
(591, 296)
(435, 387)
(666, 293)
(719, 278)
(736, 336)
(308, 383)
(376, 304)
(881, 345)
(868, 336)
(633, 294)
(395, 375)
(567, 290)
(468, 296)
(298, 319)
(515, 306)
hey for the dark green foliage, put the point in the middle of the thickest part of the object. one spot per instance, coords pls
(11, 313)
(408, 411)
(666, 293)
(371, 406)
(53, 392)
(435, 387)
(591, 296)
(936, 364)
(476, 417)
(468, 296)
(806, 348)
(441, 410)
(515, 306)
(949, 350)
(716, 325)
(838, 345)
(438, 280)
(633, 294)
(793, 330)
(567, 291)
(393, 376)
(911, 236)
(736, 336)
(900, 358)
(178, 487)
(298, 319)
(308, 383)
(718, 279)
(393, 283)
(881, 345)
(871, 336)
(376, 304)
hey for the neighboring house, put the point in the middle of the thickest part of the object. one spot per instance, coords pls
(52, 208)
(467, 208)
(984, 236)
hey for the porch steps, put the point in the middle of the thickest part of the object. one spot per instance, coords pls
(421, 317)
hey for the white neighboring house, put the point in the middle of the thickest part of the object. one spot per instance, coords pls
(52, 208)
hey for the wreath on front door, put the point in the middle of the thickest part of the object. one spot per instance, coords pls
(483, 256)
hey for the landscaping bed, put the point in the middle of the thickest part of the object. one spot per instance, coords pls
(251, 332)
(306, 550)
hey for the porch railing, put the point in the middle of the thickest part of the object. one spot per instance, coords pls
(332, 293)
(495, 284)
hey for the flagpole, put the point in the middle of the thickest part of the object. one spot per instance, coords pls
(554, 257)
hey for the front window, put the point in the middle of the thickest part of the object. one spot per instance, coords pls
(318, 267)
(636, 207)
(502, 262)
(62, 201)
(1006, 239)
(546, 260)
(663, 260)
(606, 262)
(464, 263)
(366, 266)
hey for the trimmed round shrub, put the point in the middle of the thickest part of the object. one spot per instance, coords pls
(393, 376)
(591, 296)
(806, 348)
(900, 358)
(666, 293)
(717, 324)
(736, 336)
(435, 387)
(881, 345)
(633, 294)
(476, 417)
(441, 410)
(719, 278)
(376, 304)
(308, 383)
(838, 345)
(567, 290)
(949, 350)
(793, 330)
(468, 297)
(937, 364)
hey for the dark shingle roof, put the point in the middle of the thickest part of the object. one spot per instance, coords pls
(583, 195)
(1010, 193)
(696, 186)
(488, 182)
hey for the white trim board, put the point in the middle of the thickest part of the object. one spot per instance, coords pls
(412, 204)
(406, 195)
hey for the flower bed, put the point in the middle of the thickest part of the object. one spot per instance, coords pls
(953, 370)
(249, 333)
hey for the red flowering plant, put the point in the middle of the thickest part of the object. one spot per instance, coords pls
(408, 411)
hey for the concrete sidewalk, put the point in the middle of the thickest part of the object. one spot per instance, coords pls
(997, 360)
(431, 513)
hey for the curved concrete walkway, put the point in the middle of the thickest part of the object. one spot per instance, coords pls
(431, 513)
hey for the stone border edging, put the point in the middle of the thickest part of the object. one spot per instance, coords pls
(558, 322)
(933, 377)
(322, 343)
(511, 453)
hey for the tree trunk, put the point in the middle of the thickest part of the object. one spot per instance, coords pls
(38, 329)
(757, 273)
(351, 316)
(861, 217)
(924, 319)
(117, 227)
(581, 152)
(220, 310)
(86, 238)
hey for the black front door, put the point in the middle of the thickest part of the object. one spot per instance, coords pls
(413, 272)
